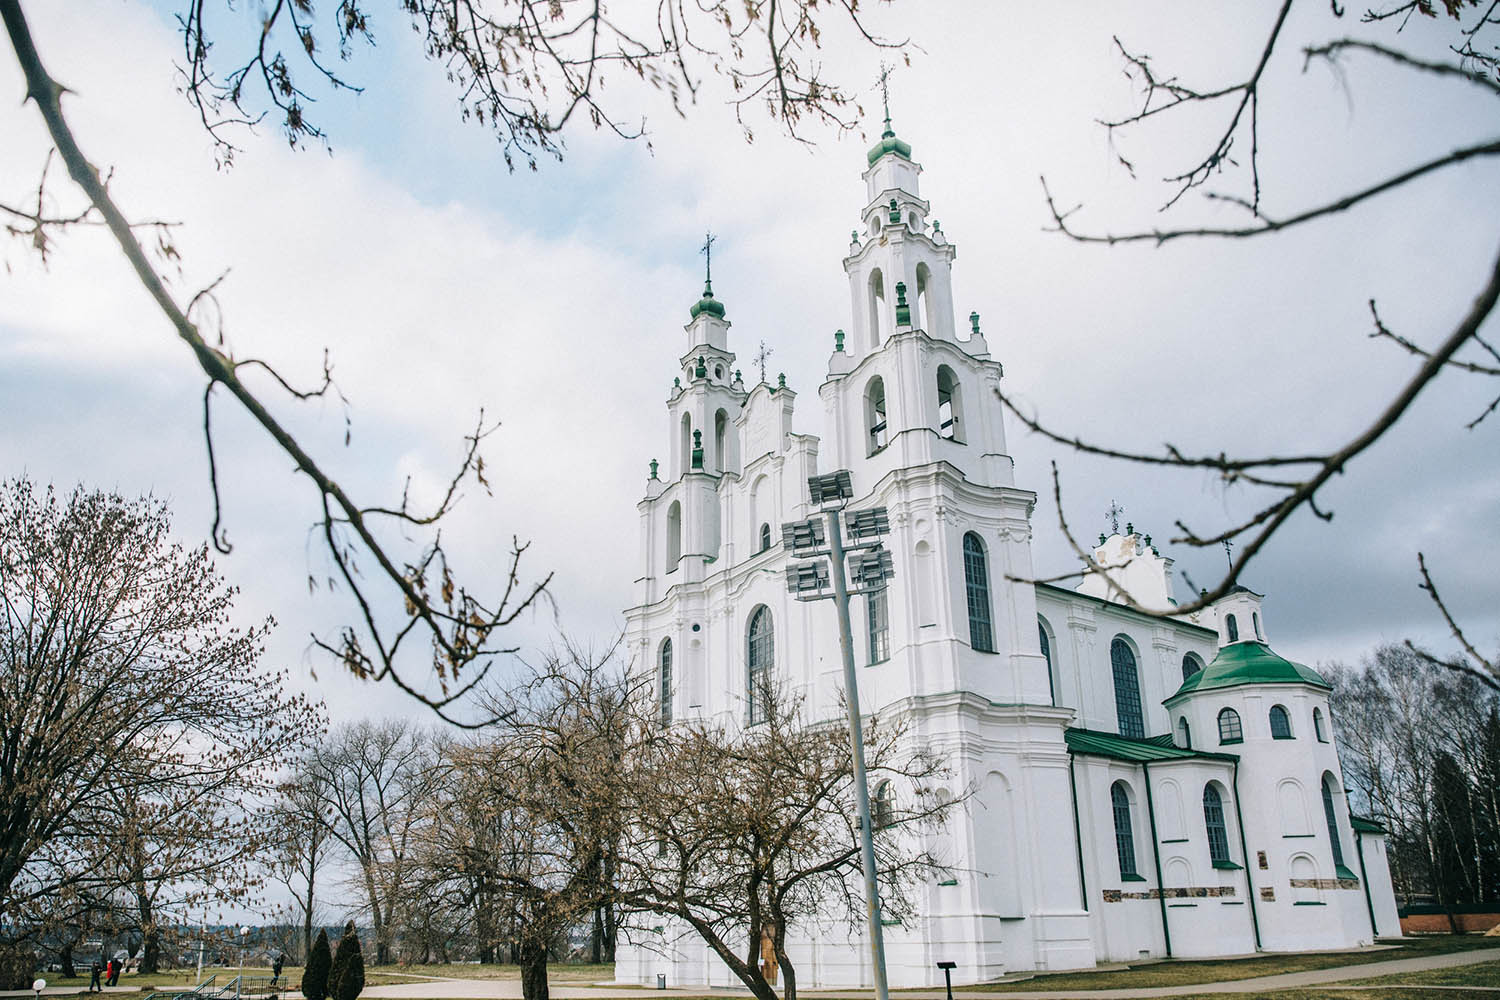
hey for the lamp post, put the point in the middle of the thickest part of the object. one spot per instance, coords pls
(239, 980)
(870, 565)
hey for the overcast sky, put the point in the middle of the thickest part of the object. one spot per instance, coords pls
(440, 284)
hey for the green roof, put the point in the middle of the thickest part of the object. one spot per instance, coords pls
(1117, 747)
(1362, 825)
(889, 144)
(1249, 663)
(707, 304)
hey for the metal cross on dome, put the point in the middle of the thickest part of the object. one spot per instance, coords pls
(885, 91)
(707, 250)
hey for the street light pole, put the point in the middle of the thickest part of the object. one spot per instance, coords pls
(857, 747)
(807, 581)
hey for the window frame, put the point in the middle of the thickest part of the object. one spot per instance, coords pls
(878, 625)
(1319, 723)
(1214, 821)
(1119, 802)
(977, 594)
(1280, 712)
(760, 661)
(1131, 724)
(1235, 732)
(664, 680)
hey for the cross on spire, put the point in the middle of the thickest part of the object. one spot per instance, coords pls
(1113, 514)
(1227, 555)
(885, 93)
(707, 250)
(760, 358)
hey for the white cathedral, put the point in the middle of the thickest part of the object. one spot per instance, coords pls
(1142, 786)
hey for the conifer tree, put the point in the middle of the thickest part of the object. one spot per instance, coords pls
(347, 978)
(315, 975)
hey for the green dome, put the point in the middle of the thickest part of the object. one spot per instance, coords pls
(1248, 663)
(707, 304)
(889, 144)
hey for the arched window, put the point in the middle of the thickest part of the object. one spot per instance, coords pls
(1281, 723)
(977, 584)
(1333, 821)
(765, 537)
(674, 535)
(922, 314)
(948, 404)
(685, 446)
(1232, 627)
(1255, 620)
(1127, 690)
(1185, 733)
(1124, 832)
(1046, 645)
(721, 438)
(1318, 729)
(666, 681)
(1190, 665)
(876, 426)
(1213, 822)
(882, 806)
(761, 657)
(1230, 730)
(878, 626)
(877, 308)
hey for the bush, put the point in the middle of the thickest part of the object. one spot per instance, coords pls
(315, 974)
(17, 966)
(347, 979)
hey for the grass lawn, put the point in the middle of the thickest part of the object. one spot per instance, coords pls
(1189, 973)
(1317, 993)
(174, 978)
(1464, 975)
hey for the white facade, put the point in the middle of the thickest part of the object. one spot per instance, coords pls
(1025, 688)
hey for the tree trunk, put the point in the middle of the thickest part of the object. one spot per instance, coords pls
(150, 934)
(596, 939)
(65, 959)
(533, 961)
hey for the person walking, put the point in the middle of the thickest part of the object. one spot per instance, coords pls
(112, 973)
(276, 967)
(94, 970)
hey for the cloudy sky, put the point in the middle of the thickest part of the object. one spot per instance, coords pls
(440, 283)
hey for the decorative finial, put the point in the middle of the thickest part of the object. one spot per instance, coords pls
(654, 465)
(1129, 527)
(1148, 543)
(1101, 538)
(781, 380)
(885, 96)
(697, 449)
(1113, 513)
(937, 226)
(903, 311)
(702, 370)
(760, 358)
(707, 250)
(974, 323)
(740, 379)
(854, 236)
(677, 383)
(895, 211)
(838, 341)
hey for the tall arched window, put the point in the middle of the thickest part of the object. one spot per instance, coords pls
(761, 657)
(948, 398)
(1185, 733)
(1127, 690)
(1318, 730)
(876, 427)
(1255, 620)
(1232, 627)
(977, 584)
(1213, 823)
(882, 806)
(1124, 832)
(1333, 821)
(877, 308)
(922, 314)
(765, 537)
(685, 446)
(1230, 730)
(721, 441)
(878, 625)
(1281, 723)
(1190, 665)
(674, 535)
(666, 681)
(1046, 645)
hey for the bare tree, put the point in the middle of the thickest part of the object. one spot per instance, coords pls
(301, 846)
(375, 779)
(744, 833)
(1469, 59)
(136, 723)
(524, 70)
